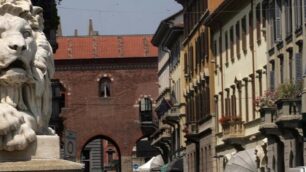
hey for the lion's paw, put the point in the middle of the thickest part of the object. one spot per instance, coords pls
(10, 119)
(19, 139)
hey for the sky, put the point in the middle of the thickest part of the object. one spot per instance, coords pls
(115, 17)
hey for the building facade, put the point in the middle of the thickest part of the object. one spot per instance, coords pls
(239, 55)
(198, 90)
(170, 108)
(283, 121)
(106, 78)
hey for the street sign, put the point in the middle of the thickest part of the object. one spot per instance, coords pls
(135, 166)
(70, 145)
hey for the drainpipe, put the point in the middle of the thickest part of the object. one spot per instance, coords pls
(253, 63)
(222, 74)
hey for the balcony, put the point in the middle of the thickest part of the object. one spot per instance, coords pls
(172, 116)
(268, 118)
(191, 131)
(146, 121)
(233, 131)
(288, 113)
(161, 136)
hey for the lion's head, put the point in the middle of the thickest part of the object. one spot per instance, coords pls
(26, 66)
(17, 49)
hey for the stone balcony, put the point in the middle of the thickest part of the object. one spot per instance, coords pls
(161, 136)
(233, 131)
(288, 113)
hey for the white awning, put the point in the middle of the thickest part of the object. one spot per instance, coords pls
(243, 161)
(154, 162)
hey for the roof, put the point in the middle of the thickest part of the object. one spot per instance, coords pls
(218, 15)
(164, 27)
(105, 46)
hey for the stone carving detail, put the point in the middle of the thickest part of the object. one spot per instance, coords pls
(26, 66)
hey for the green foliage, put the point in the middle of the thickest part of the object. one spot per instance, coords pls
(289, 90)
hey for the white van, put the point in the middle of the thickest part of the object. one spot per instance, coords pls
(297, 169)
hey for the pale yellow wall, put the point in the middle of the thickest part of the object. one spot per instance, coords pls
(240, 68)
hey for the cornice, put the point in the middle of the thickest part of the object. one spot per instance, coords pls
(76, 67)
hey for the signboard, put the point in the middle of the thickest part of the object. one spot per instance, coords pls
(70, 145)
(135, 167)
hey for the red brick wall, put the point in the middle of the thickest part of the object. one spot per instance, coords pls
(89, 115)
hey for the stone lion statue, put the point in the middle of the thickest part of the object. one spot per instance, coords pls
(26, 66)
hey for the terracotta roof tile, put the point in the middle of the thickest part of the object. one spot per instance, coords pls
(124, 46)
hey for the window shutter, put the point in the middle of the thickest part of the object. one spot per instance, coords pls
(243, 25)
(238, 39)
(272, 80)
(258, 22)
(298, 67)
(304, 11)
(277, 28)
(251, 25)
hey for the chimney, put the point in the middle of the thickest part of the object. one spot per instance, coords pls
(59, 31)
(76, 32)
(90, 28)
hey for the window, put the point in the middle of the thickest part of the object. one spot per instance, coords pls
(233, 102)
(272, 73)
(288, 14)
(251, 25)
(298, 66)
(298, 14)
(226, 46)
(246, 100)
(277, 21)
(145, 109)
(145, 105)
(281, 69)
(260, 83)
(190, 61)
(239, 98)
(290, 66)
(104, 87)
(258, 22)
(232, 43)
(227, 103)
(244, 33)
(238, 39)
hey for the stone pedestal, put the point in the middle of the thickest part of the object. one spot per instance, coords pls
(42, 155)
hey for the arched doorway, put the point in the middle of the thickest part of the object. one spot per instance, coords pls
(101, 154)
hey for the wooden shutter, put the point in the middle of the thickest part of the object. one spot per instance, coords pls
(243, 25)
(304, 10)
(277, 28)
(226, 46)
(272, 80)
(251, 25)
(238, 39)
(298, 67)
(258, 22)
(232, 42)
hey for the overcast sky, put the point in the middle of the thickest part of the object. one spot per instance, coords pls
(112, 17)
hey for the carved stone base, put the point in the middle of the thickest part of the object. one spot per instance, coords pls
(45, 147)
(55, 165)
(42, 155)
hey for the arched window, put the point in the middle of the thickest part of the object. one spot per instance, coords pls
(104, 87)
(145, 105)
(145, 109)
